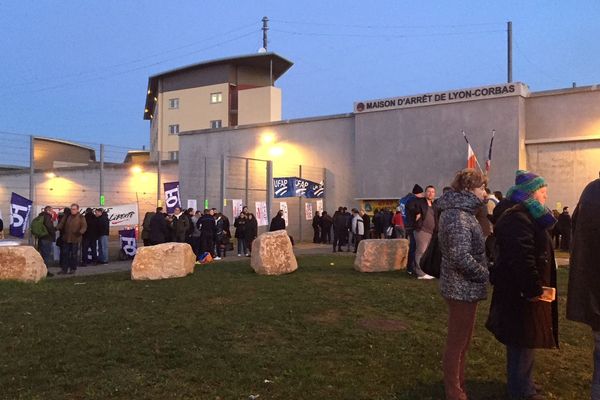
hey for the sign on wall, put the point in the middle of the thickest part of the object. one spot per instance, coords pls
(450, 96)
(262, 219)
(172, 199)
(308, 211)
(283, 207)
(237, 207)
(320, 206)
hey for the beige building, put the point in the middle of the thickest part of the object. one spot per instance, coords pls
(215, 94)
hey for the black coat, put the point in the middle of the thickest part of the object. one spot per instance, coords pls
(207, 226)
(326, 223)
(277, 224)
(93, 228)
(583, 302)
(339, 223)
(251, 230)
(103, 225)
(240, 227)
(316, 222)
(524, 263)
(366, 223)
(564, 223)
(159, 228)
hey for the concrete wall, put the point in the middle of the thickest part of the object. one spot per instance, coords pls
(315, 144)
(396, 149)
(81, 185)
(258, 105)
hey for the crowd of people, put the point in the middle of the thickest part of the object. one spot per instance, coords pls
(81, 239)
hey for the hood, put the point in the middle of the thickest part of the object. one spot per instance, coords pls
(465, 201)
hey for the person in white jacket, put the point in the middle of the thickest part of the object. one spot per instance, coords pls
(358, 228)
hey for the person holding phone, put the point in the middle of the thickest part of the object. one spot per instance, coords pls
(523, 313)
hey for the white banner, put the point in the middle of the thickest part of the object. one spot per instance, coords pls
(283, 207)
(192, 204)
(308, 210)
(237, 207)
(119, 216)
(320, 206)
(262, 219)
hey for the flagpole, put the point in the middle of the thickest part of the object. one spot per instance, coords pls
(476, 160)
(488, 164)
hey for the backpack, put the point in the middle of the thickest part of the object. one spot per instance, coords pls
(38, 229)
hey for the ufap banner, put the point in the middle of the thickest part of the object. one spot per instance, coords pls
(172, 199)
(20, 210)
(297, 187)
(128, 242)
(262, 219)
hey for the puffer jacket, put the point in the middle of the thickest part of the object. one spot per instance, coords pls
(464, 272)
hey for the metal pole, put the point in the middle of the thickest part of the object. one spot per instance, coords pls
(31, 173)
(325, 186)
(223, 183)
(247, 180)
(300, 207)
(509, 50)
(101, 188)
(269, 187)
(205, 178)
(265, 28)
(158, 178)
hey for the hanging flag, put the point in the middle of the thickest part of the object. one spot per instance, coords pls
(128, 242)
(488, 163)
(471, 158)
(172, 199)
(20, 210)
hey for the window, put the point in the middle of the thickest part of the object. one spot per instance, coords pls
(216, 124)
(216, 98)
(173, 155)
(174, 129)
(173, 104)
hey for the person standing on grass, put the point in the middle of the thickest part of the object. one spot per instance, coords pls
(523, 312)
(425, 221)
(222, 226)
(72, 227)
(159, 227)
(196, 234)
(339, 229)
(408, 209)
(180, 226)
(90, 239)
(103, 233)
(146, 227)
(208, 232)
(250, 233)
(240, 233)
(46, 242)
(366, 223)
(398, 223)
(358, 228)
(278, 222)
(326, 224)
(583, 301)
(463, 273)
(564, 227)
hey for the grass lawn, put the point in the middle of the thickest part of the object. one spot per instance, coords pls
(323, 332)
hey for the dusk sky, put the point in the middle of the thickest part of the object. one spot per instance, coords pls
(79, 69)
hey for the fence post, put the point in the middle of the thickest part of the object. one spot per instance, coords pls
(101, 189)
(269, 189)
(300, 207)
(223, 183)
(158, 178)
(31, 184)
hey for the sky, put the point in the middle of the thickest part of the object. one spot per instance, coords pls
(78, 70)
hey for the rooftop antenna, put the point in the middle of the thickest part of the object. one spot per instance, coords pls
(265, 28)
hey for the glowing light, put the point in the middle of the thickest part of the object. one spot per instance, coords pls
(50, 175)
(267, 138)
(276, 151)
(149, 91)
(136, 169)
(146, 110)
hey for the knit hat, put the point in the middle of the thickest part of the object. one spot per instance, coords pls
(417, 189)
(526, 183)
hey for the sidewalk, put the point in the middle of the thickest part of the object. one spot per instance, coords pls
(125, 266)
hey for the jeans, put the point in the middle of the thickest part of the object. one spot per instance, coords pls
(71, 256)
(412, 247)
(88, 246)
(519, 371)
(596, 376)
(103, 248)
(422, 240)
(241, 245)
(45, 247)
(357, 239)
(461, 322)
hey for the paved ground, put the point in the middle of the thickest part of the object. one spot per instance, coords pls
(120, 266)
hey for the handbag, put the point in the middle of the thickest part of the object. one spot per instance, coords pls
(431, 260)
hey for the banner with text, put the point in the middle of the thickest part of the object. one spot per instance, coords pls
(283, 207)
(308, 210)
(237, 205)
(172, 199)
(128, 242)
(262, 219)
(297, 187)
(20, 211)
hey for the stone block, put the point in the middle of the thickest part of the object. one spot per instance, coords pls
(381, 255)
(21, 263)
(272, 254)
(163, 261)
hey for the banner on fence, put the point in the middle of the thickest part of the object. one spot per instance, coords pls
(297, 187)
(20, 210)
(128, 242)
(262, 218)
(320, 206)
(237, 207)
(172, 199)
(308, 210)
(283, 207)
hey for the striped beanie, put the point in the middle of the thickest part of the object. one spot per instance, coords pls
(526, 183)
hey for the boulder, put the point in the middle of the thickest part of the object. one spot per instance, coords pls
(163, 261)
(21, 263)
(272, 254)
(380, 255)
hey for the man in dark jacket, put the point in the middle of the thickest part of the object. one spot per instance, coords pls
(72, 227)
(45, 242)
(278, 222)
(584, 272)
(208, 232)
(564, 228)
(90, 238)
(159, 228)
(326, 223)
(409, 212)
(146, 227)
(339, 229)
(180, 226)
(103, 232)
(366, 222)
(316, 225)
